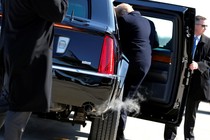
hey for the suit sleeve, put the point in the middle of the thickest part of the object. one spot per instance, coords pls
(154, 41)
(122, 27)
(1, 70)
(51, 10)
(205, 64)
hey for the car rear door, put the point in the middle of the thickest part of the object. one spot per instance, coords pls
(166, 85)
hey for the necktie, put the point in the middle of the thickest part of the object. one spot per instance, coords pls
(194, 47)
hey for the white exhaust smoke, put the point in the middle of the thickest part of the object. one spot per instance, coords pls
(130, 105)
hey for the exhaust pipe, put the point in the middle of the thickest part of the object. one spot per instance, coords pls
(89, 107)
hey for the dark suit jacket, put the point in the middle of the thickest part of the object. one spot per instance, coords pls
(154, 41)
(26, 43)
(201, 77)
(134, 35)
(135, 31)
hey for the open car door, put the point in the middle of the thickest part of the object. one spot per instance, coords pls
(169, 76)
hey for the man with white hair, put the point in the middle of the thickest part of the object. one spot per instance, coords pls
(135, 34)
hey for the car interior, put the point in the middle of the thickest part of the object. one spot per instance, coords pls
(157, 80)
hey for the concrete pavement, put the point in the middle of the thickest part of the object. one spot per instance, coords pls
(136, 129)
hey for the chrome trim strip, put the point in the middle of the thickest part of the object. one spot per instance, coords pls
(84, 72)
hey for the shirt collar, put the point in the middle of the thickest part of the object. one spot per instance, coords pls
(198, 37)
(135, 12)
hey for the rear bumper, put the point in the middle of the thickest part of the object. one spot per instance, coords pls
(78, 87)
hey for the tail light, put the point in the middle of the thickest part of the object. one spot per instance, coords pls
(107, 56)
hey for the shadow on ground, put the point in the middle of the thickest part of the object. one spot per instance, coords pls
(46, 129)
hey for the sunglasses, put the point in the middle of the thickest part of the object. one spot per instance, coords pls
(204, 26)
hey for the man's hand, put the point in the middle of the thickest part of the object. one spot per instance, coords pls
(193, 66)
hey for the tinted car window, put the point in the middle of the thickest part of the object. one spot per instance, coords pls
(164, 30)
(79, 8)
(161, 73)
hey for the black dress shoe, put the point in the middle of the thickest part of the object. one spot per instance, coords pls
(120, 136)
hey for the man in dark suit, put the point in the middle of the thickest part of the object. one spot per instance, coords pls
(200, 82)
(26, 53)
(134, 35)
(154, 41)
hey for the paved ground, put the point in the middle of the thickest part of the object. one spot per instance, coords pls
(147, 130)
(136, 129)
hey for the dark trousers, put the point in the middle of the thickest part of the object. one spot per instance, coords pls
(122, 124)
(190, 116)
(170, 132)
(133, 81)
(195, 96)
(189, 122)
(14, 122)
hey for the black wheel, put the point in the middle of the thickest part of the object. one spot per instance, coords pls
(106, 129)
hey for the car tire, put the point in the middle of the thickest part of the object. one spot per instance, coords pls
(106, 129)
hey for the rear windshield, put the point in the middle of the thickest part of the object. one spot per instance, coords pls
(78, 8)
